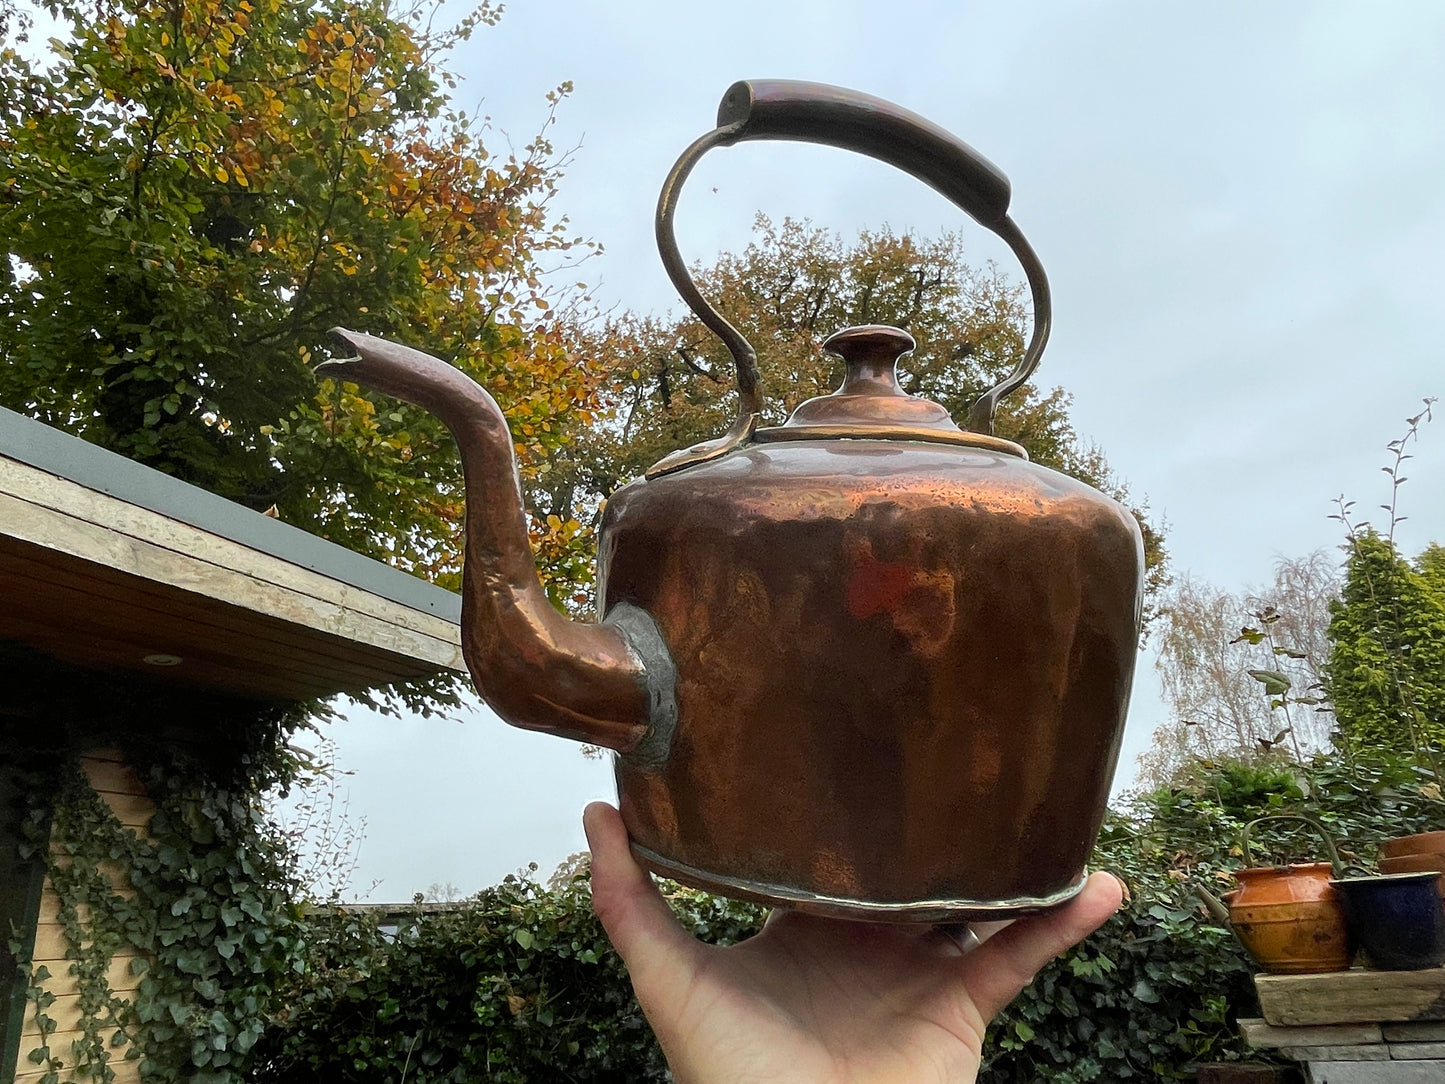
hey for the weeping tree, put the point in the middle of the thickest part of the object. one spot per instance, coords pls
(1243, 674)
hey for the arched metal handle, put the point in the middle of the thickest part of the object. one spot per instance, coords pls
(817, 113)
(1245, 835)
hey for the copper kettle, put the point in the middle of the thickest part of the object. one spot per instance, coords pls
(866, 663)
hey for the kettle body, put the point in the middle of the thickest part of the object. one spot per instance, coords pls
(902, 674)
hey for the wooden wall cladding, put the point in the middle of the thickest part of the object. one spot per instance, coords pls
(121, 789)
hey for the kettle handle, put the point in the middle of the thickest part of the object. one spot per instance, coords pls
(818, 113)
(1248, 830)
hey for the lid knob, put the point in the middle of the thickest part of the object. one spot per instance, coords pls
(871, 353)
(870, 398)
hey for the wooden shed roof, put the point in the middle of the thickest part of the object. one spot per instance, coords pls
(110, 565)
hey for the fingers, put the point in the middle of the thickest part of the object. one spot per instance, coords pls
(1007, 962)
(637, 919)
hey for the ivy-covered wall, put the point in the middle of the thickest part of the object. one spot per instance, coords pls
(67, 1016)
(176, 928)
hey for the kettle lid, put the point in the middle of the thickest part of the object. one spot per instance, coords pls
(871, 405)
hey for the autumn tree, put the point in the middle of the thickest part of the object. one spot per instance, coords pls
(671, 380)
(193, 191)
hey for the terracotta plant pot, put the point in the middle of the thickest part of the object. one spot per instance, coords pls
(1413, 863)
(1424, 843)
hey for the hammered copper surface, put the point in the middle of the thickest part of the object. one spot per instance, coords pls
(903, 670)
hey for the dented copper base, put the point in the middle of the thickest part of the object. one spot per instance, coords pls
(912, 912)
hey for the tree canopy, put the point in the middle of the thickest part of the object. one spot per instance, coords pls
(193, 191)
(1387, 630)
(1387, 660)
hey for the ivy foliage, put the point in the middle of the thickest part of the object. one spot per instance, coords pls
(519, 983)
(203, 899)
(1146, 998)
(1158, 989)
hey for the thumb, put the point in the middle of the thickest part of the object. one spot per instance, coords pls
(998, 970)
(640, 925)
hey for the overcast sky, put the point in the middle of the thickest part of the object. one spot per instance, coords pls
(1240, 207)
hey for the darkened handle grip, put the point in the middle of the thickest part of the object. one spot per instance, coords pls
(817, 113)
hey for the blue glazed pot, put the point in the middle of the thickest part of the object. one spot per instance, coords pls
(1397, 919)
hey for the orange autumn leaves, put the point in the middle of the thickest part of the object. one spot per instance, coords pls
(194, 191)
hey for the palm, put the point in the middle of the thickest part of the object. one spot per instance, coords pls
(828, 1001)
(812, 999)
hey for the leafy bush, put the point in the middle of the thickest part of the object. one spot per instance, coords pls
(1159, 988)
(515, 984)
(1150, 995)
(520, 984)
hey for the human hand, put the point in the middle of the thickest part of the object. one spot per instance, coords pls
(815, 999)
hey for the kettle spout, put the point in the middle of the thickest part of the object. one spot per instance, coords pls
(607, 683)
(1214, 905)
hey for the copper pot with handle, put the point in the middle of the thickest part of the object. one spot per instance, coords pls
(868, 663)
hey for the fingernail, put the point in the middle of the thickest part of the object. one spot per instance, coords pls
(1123, 890)
(588, 816)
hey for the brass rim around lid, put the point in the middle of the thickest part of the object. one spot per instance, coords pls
(963, 438)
